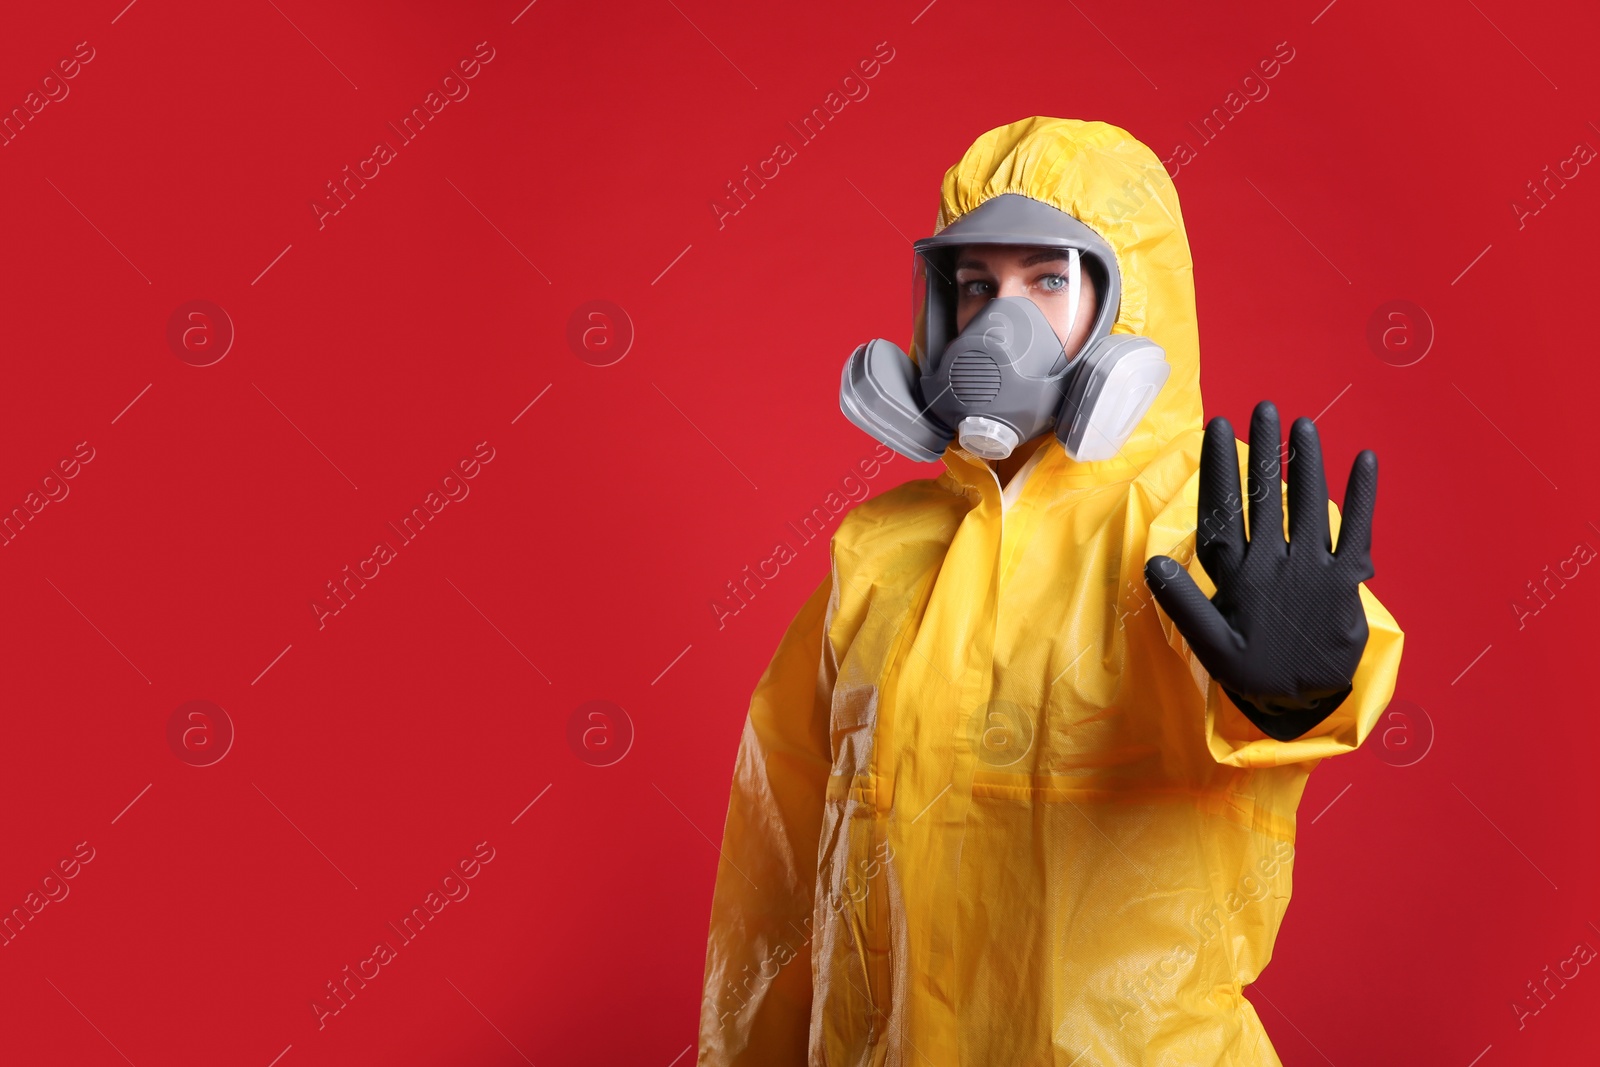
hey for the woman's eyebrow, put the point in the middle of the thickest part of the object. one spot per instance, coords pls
(972, 264)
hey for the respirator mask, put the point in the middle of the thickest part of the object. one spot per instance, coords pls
(1006, 377)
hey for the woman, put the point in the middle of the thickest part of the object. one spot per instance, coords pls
(991, 805)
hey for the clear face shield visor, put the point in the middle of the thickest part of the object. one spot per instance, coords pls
(1008, 342)
(1014, 221)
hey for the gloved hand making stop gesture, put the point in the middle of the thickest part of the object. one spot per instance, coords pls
(1286, 628)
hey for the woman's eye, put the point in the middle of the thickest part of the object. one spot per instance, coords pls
(1053, 283)
(974, 288)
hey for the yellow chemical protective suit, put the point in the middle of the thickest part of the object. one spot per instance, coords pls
(988, 809)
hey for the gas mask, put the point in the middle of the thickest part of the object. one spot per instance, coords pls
(1006, 377)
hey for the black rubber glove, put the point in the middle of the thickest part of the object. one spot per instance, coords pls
(1286, 629)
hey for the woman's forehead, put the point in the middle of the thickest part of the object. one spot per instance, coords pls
(992, 256)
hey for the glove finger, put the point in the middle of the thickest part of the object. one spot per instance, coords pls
(1266, 490)
(1219, 523)
(1208, 633)
(1308, 491)
(1355, 530)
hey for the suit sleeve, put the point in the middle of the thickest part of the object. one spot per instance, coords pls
(1232, 738)
(756, 1007)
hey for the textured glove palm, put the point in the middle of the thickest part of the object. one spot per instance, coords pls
(1286, 628)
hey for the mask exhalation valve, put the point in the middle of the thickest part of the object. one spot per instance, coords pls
(986, 438)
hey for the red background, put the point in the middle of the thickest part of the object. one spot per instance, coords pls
(377, 351)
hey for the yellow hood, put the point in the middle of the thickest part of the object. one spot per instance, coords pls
(1106, 179)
